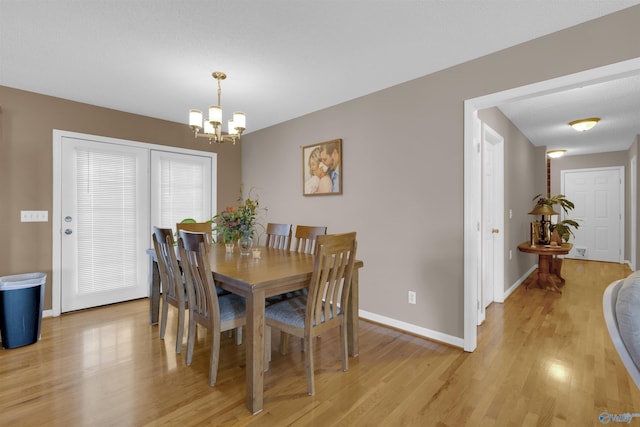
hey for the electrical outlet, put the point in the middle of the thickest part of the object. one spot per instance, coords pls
(412, 297)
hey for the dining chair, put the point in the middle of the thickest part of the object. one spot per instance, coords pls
(278, 236)
(305, 242)
(173, 287)
(306, 236)
(325, 304)
(198, 227)
(217, 314)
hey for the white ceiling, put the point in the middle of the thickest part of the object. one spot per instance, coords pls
(545, 119)
(284, 58)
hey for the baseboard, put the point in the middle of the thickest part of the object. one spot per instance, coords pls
(519, 282)
(412, 329)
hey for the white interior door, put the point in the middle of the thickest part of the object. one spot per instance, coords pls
(598, 195)
(492, 288)
(104, 223)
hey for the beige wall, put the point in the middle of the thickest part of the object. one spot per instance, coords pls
(27, 121)
(403, 167)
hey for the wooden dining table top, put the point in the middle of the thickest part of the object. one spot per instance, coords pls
(270, 268)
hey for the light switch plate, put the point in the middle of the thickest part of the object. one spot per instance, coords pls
(34, 216)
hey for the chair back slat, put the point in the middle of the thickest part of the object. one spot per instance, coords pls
(197, 227)
(331, 278)
(306, 236)
(170, 275)
(278, 236)
(200, 285)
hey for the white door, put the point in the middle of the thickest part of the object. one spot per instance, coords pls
(181, 187)
(492, 287)
(104, 223)
(599, 204)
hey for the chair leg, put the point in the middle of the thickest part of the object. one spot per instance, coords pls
(180, 333)
(343, 345)
(163, 318)
(215, 355)
(191, 338)
(284, 342)
(239, 335)
(308, 344)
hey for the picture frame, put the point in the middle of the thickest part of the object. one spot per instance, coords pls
(322, 168)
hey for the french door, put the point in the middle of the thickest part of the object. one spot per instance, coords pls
(108, 194)
(105, 214)
(180, 188)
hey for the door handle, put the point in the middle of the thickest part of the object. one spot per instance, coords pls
(68, 231)
(495, 230)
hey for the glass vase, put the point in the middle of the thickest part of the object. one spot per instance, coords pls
(245, 243)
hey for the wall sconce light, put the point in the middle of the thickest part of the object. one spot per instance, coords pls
(584, 124)
(554, 154)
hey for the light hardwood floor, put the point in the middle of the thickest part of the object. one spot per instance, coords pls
(542, 359)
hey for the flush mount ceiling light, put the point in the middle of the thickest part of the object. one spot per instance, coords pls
(584, 124)
(554, 154)
(213, 125)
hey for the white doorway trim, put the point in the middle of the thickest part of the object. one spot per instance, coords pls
(472, 174)
(633, 211)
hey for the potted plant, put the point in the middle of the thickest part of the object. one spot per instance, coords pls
(238, 223)
(561, 230)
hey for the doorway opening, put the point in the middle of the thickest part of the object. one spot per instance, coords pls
(473, 173)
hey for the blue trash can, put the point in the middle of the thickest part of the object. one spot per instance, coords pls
(21, 299)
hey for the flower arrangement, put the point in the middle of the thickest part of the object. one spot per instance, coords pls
(235, 222)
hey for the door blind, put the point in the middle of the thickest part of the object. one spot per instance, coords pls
(183, 188)
(106, 227)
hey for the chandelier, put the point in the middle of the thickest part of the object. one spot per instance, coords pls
(213, 125)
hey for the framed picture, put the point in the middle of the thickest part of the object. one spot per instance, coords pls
(322, 168)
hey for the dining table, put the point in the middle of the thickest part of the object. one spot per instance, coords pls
(274, 272)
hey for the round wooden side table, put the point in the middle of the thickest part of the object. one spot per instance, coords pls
(548, 265)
